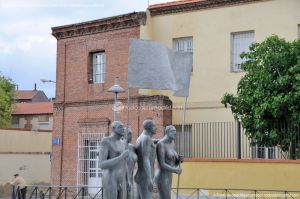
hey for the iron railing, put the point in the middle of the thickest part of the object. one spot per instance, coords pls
(228, 140)
(60, 192)
(199, 193)
(74, 192)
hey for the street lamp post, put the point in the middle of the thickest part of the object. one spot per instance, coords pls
(44, 80)
(116, 88)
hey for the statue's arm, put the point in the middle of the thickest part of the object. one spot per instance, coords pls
(161, 151)
(108, 163)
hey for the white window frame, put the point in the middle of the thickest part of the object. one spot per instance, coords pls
(99, 67)
(44, 126)
(237, 61)
(184, 44)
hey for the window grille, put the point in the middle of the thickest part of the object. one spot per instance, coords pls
(183, 44)
(99, 67)
(240, 43)
(88, 168)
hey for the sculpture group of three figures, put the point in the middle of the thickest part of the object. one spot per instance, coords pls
(118, 158)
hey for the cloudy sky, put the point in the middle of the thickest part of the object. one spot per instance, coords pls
(27, 48)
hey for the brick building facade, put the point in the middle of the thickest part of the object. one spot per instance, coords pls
(90, 56)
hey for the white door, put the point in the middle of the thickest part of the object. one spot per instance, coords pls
(94, 171)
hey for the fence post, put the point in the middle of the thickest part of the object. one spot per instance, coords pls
(82, 192)
(36, 192)
(66, 192)
(293, 150)
(238, 142)
(50, 192)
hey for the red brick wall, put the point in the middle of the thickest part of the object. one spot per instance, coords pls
(74, 53)
(83, 100)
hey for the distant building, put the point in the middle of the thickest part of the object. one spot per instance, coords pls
(27, 153)
(30, 96)
(33, 116)
(90, 55)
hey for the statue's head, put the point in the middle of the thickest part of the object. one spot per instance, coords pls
(150, 126)
(170, 132)
(117, 127)
(128, 132)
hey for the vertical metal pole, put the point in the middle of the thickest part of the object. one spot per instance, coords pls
(128, 106)
(36, 192)
(285, 194)
(115, 107)
(182, 131)
(238, 141)
(50, 192)
(66, 192)
(82, 192)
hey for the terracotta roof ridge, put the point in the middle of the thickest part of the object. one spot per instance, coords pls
(171, 3)
(192, 5)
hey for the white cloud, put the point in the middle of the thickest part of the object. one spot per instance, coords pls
(6, 47)
(25, 44)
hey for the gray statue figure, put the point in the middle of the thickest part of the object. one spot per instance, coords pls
(146, 152)
(131, 161)
(112, 160)
(168, 161)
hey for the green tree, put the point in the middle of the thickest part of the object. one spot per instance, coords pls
(268, 96)
(6, 100)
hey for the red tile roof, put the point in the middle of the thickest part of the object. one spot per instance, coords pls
(35, 108)
(172, 3)
(192, 5)
(25, 94)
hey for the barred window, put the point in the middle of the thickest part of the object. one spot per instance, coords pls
(183, 44)
(99, 67)
(240, 43)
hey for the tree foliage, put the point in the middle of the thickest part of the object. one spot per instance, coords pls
(268, 96)
(6, 100)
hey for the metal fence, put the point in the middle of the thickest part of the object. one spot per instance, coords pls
(59, 192)
(72, 192)
(226, 140)
(201, 193)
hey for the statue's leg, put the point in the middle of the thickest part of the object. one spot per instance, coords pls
(137, 192)
(110, 190)
(164, 193)
(164, 185)
(144, 193)
(122, 193)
